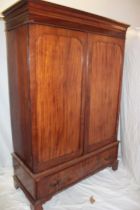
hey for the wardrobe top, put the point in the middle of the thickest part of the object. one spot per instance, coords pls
(42, 12)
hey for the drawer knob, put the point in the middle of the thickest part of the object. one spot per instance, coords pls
(55, 183)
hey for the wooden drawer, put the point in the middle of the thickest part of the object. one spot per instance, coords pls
(56, 182)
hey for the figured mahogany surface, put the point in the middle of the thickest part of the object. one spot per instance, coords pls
(56, 77)
(65, 75)
(105, 71)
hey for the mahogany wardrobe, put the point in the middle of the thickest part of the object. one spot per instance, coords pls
(65, 74)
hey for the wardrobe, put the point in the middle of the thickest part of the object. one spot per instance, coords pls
(65, 74)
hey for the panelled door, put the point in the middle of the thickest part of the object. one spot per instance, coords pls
(57, 81)
(103, 85)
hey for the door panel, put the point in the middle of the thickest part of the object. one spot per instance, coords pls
(56, 80)
(105, 70)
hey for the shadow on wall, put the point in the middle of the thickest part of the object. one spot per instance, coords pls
(130, 105)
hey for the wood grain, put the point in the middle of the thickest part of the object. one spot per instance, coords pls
(57, 182)
(51, 181)
(46, 13)
(105, 70)
(57, 64)
(65, 74)
(19, 92)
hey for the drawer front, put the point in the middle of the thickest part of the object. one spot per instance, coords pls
(63, 179)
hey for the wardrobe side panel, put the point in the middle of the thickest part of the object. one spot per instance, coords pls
(17, 46)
